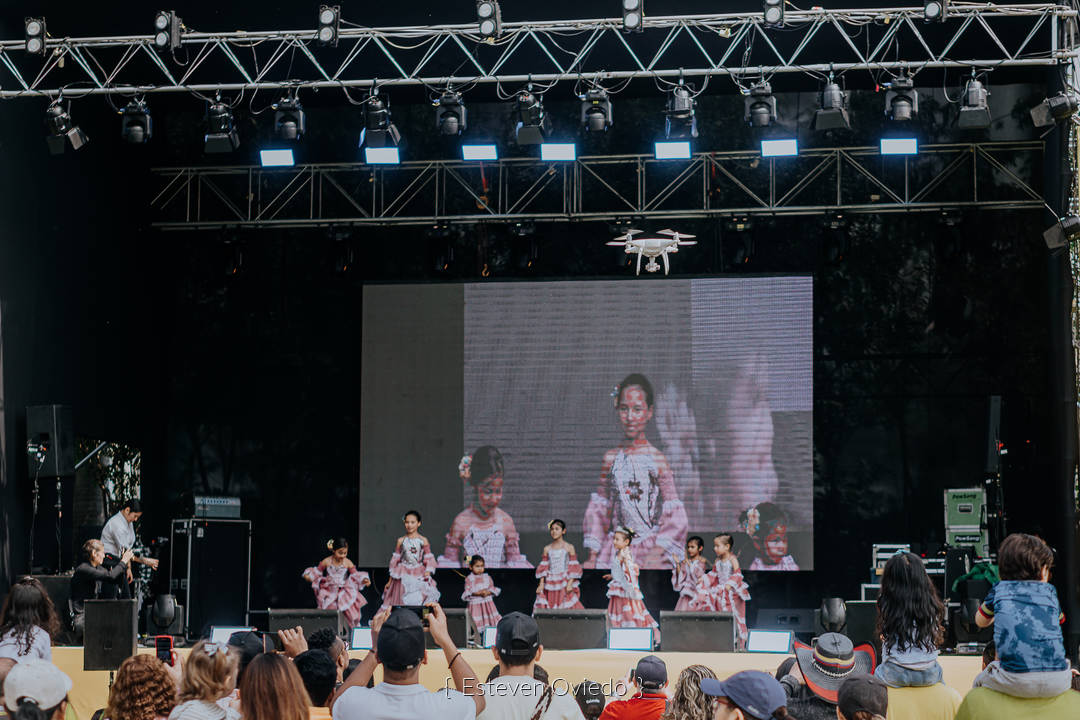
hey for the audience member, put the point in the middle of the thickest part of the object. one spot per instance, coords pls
(319, 674)
(650, 679)
(590, 699)
(272, 690)
(687, 701)
(517, 693)
(209, 676)
(28, 622)
(748, 695)
(247, 645)
(862, 697)
(1025, 612)
(353, 664)
(982, 703)
(910, 623)
(36, 689)
(398, 639)
(539, 673)
(144, 689)
(812, 683)
(326, 639)
(989, 654)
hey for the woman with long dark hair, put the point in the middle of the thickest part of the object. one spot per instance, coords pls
(910, 623)
(28, 622)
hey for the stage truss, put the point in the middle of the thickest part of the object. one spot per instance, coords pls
(989, 176)
(738, 45)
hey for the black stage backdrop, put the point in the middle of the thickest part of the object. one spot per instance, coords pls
(250, 384)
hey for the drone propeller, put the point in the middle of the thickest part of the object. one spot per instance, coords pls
(616, 243)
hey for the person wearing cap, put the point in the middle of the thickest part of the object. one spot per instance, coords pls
(397, 638)
(982, 703)
(648, 703)
(747, 695)
(862, 697)
(36, 690)
(813, 682)
(515, 694)
(590, 698)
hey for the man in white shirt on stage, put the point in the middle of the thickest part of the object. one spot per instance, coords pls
(118, 535)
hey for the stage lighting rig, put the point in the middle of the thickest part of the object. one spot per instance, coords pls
(935, 10)
(902, 100)
(633, 15)
(760, 106)
(1056, 107)
(533, 124)
(773, 12)
(167, 28)
(290, 123)
(221, 135)
(329, 19)
(62, 130)
(596, 112)
(451, 117)
(680, 121)
(379, 131)
(35, 36)
(833, 113)
(135, 122)
(488, 20)
(974, 112)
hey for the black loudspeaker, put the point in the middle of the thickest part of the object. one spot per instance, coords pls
(572, 629)
(210, 573)
(697, 631)
(862, 624)
(51, 425)
(111, 633)
(58, 588)
(797, 620)
(308, 619)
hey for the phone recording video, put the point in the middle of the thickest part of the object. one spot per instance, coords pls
(422, 611)
(163, 647)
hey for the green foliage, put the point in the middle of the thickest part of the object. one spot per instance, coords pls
(116, 469)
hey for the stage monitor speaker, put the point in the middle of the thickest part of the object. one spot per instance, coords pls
(58, 587)
(210, 572)
(572, 629)
(862, 623)
(111, 633)
(307, 618)
(455, 625)
(697, 631)
(51, 425)
(797, 620)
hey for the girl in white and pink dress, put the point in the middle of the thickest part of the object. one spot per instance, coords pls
(685, 576)
(337, 583)
(723, 588)
(559, 573)
(626, 608)
(483, 528)
(411, 568)
(479, 593)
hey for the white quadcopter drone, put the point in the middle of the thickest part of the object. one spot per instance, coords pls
(652, 247)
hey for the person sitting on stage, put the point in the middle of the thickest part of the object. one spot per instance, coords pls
(28, 622)
(145, 689)
(688, 702)
(397, 637)
(328, 640)
(273, 690)
(91, 581)
(36, 690)
(650, 701)
(209, 676)
(118, 534)
(319, 673)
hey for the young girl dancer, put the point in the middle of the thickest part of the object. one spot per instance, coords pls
(337, 583)
(625, 605)
(910, 618)
(411, 568)
(479, 594)
(559, 573)
(636, 490)
(685, 576)
(483, 528)
(28, 622)
(723, 589)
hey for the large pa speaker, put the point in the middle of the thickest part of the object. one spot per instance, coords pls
(51, 425)
(111, 633)
(58, 588)
(210, 572)
(862, 624)
(796, 620)
(308, 619)
(572, 629)
(697, 631)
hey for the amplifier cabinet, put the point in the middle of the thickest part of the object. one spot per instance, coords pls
(210, 574)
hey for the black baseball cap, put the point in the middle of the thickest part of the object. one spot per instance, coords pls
(401, 640)
(517, 635)
(651, 672)
(863, 693)
(590, 694)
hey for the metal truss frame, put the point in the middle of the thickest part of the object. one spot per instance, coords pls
(731, 44)
(990, 175)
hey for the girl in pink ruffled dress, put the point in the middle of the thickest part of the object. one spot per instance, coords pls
(636, 490)
(625, 605)
(411, 568)
(479, 593)
(723, 589)
(559, 573)
(337, 583)
(483, 528)
(685, 576)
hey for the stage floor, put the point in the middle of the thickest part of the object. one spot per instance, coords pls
(91, 689)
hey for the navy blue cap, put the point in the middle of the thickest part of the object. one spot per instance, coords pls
(401, 640)
(756, 693)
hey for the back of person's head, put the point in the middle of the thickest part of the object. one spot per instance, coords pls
(318, 671)
(210, 672)
(687, 701)
(989, 654)
(36, 690)
(863, 697)
(326, 639)
(272, 690)
(142, 690)
(27, 606)
(909, 611)
(1023, 557)
(400, 647)
(590, 698)
(650, 673)
(517, 639)
(133, 505)
(247, 645)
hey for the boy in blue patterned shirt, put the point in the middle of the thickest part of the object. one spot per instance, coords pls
(1027, 623)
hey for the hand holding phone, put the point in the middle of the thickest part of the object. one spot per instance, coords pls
(422, 611)
(163, 647)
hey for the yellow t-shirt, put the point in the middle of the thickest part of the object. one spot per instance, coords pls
(935, 702)
(986, 704)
